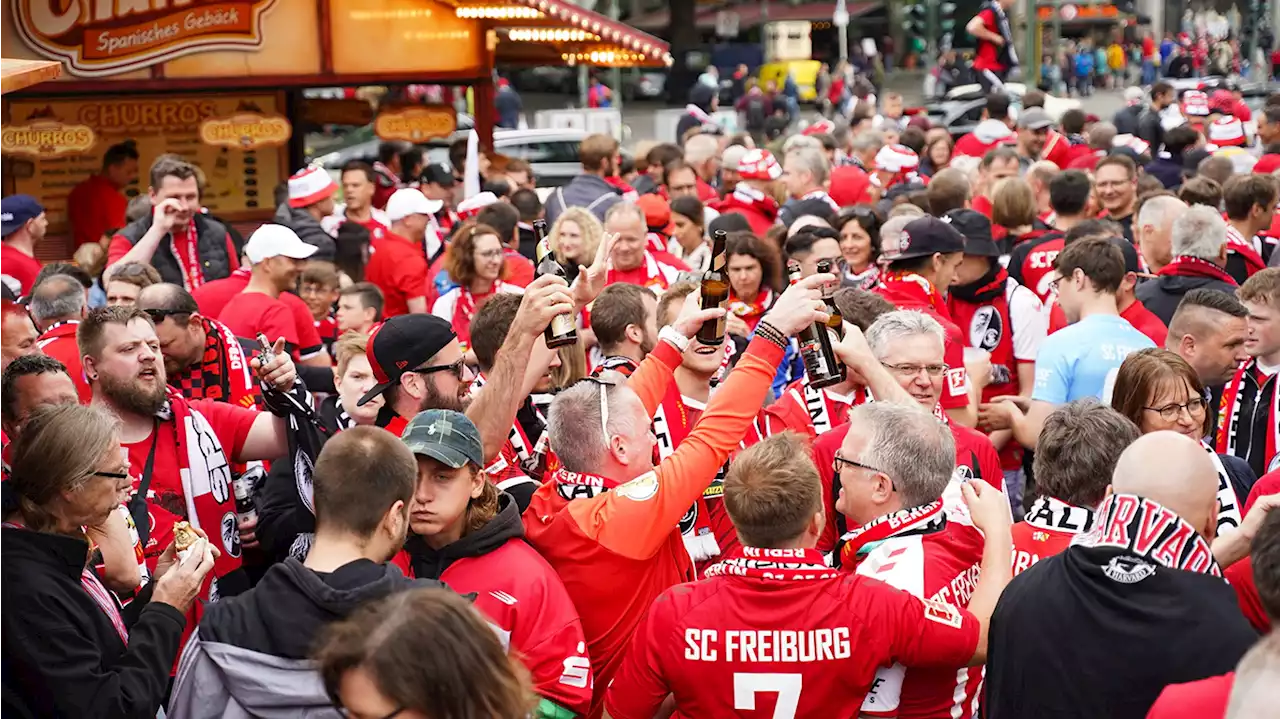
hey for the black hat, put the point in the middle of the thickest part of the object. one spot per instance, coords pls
(437, 173)
(924, 237)
(401, 344)
(813, 206)
(976, 229)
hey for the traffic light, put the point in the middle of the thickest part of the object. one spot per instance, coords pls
(946, 25)
(915, 24)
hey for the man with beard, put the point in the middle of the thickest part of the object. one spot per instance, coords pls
(624, 319)
(599, 156)
(251, 652)
(277, 255)
(202, 357)
(179, 450)
(1033, 130)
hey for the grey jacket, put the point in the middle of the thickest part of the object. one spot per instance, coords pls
(589, 191)
(308, 230)
(223, 681)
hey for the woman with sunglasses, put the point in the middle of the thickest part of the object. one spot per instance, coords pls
(475, 260)
(70, 649)
(857, 225)
(1159, 391)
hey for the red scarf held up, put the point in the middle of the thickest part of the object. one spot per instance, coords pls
(783, 565)
(1187, 266)
(192, 274)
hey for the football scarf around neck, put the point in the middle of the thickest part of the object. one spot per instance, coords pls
(1054, 514)
(1229, 514)
(751, 312)
(985, 289)
(621, 364)
(580, 485)
(913, 284)
(1008, 55)
(821, 195)
(747, 196)
(781, 565)
(1241, 245)
(527, 443)
(464, 308)
(1126, 524)
(653, 276)
(1231, 425)
(671, 424)
(192, 274)
(859, 542)
(222, 372)
(1187, 266)
(864, 280)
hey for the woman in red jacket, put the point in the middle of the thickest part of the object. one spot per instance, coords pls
(468, 534)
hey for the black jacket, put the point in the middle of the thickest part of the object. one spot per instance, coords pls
(1068, 641)
(1126, 120)
(62, 655)
(1162, 294)
(431, 563)
(211, 249)
(1150, 129)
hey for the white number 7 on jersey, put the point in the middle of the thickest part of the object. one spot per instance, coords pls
(747, 685)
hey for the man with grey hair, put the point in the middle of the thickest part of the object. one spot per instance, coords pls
(863, 148)
(894, 470)
(1198, 245)
(804, 172)
(1079, 446)
(607, 512)
(57, 306)
(909, 344)
(1154, 228)
(702, 152)
(630, 260)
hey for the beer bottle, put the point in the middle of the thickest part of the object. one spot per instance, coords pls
(562, 330)
(815, 346)
(715, 290)
(836, 322)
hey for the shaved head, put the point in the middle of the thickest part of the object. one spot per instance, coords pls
(1174, 470)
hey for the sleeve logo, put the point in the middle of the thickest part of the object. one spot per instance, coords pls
(945, 614)
(640, 489)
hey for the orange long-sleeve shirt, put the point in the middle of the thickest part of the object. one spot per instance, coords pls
(618, 550)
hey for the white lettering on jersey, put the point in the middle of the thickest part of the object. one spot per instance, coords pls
(577, 669)
(767, 645)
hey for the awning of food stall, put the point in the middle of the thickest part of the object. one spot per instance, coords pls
(19, 74)
(541, 32)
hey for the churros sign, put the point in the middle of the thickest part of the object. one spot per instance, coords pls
(46, 138)
(416, 124)
(245, 130)
(96, 38)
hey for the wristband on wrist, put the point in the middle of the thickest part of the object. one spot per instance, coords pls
(771, 333)
(673, 336)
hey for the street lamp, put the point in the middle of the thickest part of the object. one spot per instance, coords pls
(841, 20)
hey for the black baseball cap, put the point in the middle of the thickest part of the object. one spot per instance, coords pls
(976, 229)
(401, 344)
(923, 237)
(437, 173)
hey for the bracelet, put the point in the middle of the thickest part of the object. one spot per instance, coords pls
(771, 333)
(670, 334)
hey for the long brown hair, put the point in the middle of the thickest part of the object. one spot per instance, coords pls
(483, 508)
(1143, 373)
(58, 451)
(459, 260)
(466, 674)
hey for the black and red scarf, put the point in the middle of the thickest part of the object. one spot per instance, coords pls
(1243, 247)
(222, 372)
(1137, 527)
(1188, 266)
(782, 565)
(527, 447)
(982, 308)
(621, 364)
(858, 543)
(1231, 425)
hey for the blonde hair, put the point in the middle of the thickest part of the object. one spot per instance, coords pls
(348, 346)
(1012, 203)
(772, 491)
(91, 257)
(58, 451)
(591, 229)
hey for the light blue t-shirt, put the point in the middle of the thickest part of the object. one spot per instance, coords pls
(1081, 360)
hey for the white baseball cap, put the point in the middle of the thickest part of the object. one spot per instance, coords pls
(276, 241)
(409, 201)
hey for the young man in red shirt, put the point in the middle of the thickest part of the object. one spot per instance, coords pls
(1079, 446)
(358, 188)
(97, 205)
(773, 625)
(58, 306)
(22, 226)
(212, 298)
(277, 256)
(396, 263)
(186, 246)
(996, 56)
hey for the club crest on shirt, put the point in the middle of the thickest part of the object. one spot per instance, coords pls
(640, 489)
(986, 328)
(230, 529)
(1128, 569)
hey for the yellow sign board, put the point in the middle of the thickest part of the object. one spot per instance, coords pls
(46, 138)
(246, 130)
(416, 124)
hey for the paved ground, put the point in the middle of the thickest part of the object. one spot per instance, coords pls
(640, 116)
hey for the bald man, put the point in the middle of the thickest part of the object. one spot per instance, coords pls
(1140, 589)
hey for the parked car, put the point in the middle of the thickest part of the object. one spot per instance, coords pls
(961, 108)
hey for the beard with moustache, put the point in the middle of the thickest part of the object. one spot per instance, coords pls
(132, 396)
(435, 399)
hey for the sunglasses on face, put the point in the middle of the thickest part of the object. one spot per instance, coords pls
(454, 368)
(157, 316)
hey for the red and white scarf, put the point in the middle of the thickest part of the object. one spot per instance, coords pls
(192, 274)
(1187, 266)
(1237, 243)
(1054, 514)
(1229, 420)
(783, 565)
(751, 312)
(653, 275)
(825, 408)
(1142, 527)
(918, 520)
(464, 309)
(521, 452)
(671, 424)
(748, 197)
(1229, 514)
(913, 285)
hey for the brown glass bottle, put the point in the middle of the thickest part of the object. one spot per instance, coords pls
(715, 290)
(562, 330)
(815, 346)
(836, 321)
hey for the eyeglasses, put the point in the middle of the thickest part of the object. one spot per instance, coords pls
(455, 368)
(838, 460)
(911, 370)
(490, 255)
(1053, 285)
(110, 475)
(1169, 413)
(157, 315)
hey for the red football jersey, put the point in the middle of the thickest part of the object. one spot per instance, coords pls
(777, 634)
(811, 412)
(1048, 530)
(938, 560)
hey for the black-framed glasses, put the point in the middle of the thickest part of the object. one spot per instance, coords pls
(110, 475)
(837, 460)
(454, 368)
(1195, 408)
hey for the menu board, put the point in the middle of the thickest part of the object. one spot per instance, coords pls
(239, 180)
